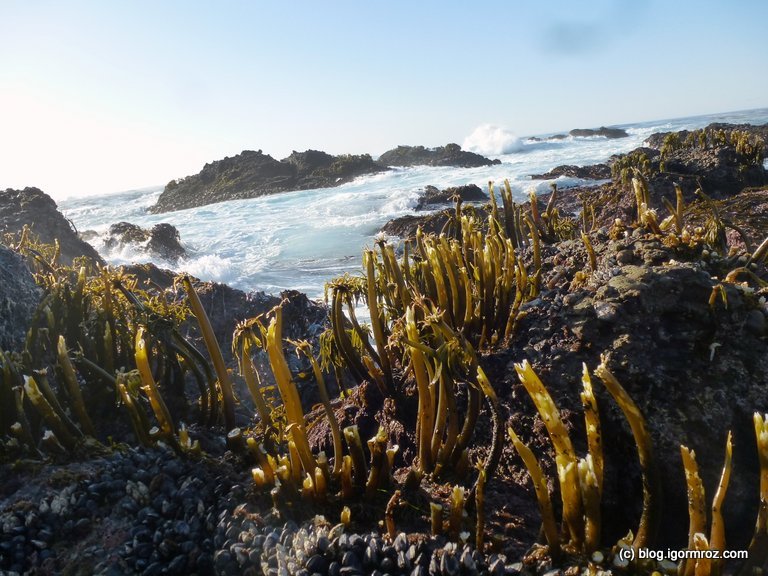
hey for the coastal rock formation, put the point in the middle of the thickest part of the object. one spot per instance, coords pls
(695, 366)
(593, 172)
(161, 241)
(656, 140)
(226, 306)
(609, 133)
(34, 208)
(251, 174)
(448, 155)
(433, 197)
(19, 296)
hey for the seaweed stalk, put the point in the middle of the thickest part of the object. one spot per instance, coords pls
(649, 519)
(696, 509)
(565, 457)
(592, 422)
(717, 531)
(73, 387)
(227, 395)
(48, 413)
(150, 388)
(549, 523)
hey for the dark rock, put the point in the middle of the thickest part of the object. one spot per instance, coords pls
(609, 133)
(251, 174)
(756, 323)
(656, 140)
(448, 155)
(162, 241)
(34, 208)
(594, 172)
(19, 296)
(720, 170)
(406, 226)
(433, 196)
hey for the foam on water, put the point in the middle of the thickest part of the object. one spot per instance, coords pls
(300, 240)
(490, 140)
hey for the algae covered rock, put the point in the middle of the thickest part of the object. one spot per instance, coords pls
(251, 174)
(34, 208)
(448, 155)
(433, 197)
(161, 241)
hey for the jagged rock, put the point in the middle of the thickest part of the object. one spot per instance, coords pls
(609, 133)
(593, 172)
(448, 155)
(19, 297)
(161, 241)
(226, 306)
(33, 207)
(434, 197)
(656, 140)
(720, 170)
(251, 174)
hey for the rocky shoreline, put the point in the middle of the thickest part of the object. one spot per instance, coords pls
(251, 174)
(686, 338)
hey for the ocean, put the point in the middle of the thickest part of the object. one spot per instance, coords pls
(300, 240)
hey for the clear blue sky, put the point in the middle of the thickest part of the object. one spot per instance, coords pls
(101, 96)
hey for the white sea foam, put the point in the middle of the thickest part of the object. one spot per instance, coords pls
(300, 240)
(491, 140)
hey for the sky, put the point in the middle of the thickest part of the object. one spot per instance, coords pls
(104, 96)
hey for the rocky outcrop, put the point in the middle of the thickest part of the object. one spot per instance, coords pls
(609, 133)
(448, 155)
(719, 168)
(434, 197)
(161, 241)
(656, 140)
(226, 306)
(19, 296)
(695, 370)
(593, 172)
(251, 174)
(34, 208)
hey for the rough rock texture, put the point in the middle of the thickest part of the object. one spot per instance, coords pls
(303, 319)
(602, 131)
(696, 371)
(226, 306)
(251, 174)
(36, 209)
(19, 296)
(433, 197)
(448, 155)
(593, 172)
(657, 139)
(161, 241)
(720, 171)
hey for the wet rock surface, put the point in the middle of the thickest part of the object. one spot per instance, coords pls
(593, 172)
(252, 173)
(161, 241)
(34, 208)
(434, 197)
(448, 155)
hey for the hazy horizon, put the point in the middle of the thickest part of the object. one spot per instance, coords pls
(103, 97)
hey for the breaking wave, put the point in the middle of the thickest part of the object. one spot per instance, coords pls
(490, 140)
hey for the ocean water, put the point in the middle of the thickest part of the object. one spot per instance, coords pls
(300, 240)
